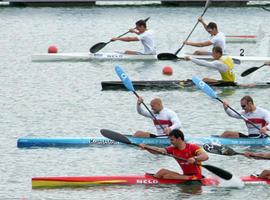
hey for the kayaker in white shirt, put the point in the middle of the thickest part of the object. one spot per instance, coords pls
(165, 117)
(216, 39)
(259, 116)
(144, 35)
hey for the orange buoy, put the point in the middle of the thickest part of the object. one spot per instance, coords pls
(52, 49)
(167, 70)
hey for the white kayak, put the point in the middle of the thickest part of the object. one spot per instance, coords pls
(75, 57)
(54, 57)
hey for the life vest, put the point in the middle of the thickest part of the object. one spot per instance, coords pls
(229, 74)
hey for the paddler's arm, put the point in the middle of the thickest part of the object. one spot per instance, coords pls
(267, 63)
(176, 123)
(126, 39)
(198, 44)
(217, 65)
(200, 157)
(200, 19)
(229, 111)
(267, 126)
(153, 149)
(142, 111)
(259, 155)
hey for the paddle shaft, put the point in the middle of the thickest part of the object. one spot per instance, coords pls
(205, 9)
(244, 118)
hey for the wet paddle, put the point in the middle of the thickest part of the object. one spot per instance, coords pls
(211, 93)
(170, 56)
(251, 70)
(97, 47)
(123, 139)
(225, 151)
(128, 84)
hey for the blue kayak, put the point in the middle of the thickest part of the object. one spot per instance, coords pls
(31, 142)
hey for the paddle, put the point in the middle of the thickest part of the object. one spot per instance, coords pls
(170, 56)
(211, 93)
(128, 84)
(267, 9)
(225, 151)
(250, 70)
(99, 46)
(123, 139)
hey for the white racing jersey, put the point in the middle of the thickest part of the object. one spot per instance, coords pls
(147, 39)
(260, 117)
(166, 117)
(219, 40)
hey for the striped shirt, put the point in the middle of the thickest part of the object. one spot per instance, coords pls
(166, 117)
(260, 117)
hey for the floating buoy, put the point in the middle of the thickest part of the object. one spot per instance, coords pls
(167, 70)
(52, 49)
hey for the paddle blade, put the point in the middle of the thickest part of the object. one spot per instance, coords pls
(115, 136)
(218, 171)
(97, 47)
(167, 56)
(249, 71)
(124, 78)
(219, 149)
(204, 87)
(207, 4)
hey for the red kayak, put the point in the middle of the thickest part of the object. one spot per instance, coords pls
(147, 179)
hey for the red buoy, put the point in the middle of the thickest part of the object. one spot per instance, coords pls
(167, 70)
(52, 49)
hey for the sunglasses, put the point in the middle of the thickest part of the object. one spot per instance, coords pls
(243, 106)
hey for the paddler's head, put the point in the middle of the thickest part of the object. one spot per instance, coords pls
(212, 28)
(156, 105)
(247, 104)
(141, 26)
(176, 137)
(217, 53)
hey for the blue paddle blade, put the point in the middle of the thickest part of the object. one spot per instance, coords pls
(124, 78)
(204, 87)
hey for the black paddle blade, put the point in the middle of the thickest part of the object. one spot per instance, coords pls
(167, 56)
(219, 149)
(115, 136)
(219, 172)
(249, 71)
(97, 47)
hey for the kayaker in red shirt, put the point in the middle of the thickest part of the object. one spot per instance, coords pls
(192, 152)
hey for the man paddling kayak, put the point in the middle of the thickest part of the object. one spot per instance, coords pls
(264, 173)
(192, 152)
(144, 35)
(258, 116)
(165, 118)
(224, 65)
(216, 39)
